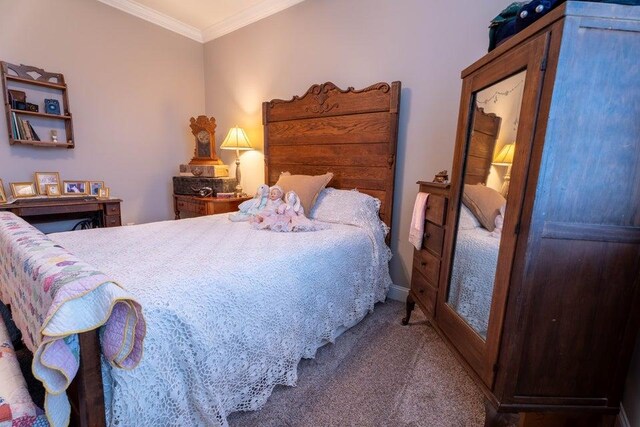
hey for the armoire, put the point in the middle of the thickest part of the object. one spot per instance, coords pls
(552, 326)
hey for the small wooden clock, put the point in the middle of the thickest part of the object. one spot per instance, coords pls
(204, 131)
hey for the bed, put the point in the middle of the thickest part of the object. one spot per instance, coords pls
(473, 272)
(231, 310)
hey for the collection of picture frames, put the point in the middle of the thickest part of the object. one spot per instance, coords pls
(49, 184)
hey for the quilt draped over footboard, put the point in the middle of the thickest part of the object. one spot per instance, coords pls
(54, 296)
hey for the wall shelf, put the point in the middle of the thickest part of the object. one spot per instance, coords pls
(34, 85)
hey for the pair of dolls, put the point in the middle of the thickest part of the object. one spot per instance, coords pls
(268, 211)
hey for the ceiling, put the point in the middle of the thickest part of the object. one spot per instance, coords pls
(201, 20)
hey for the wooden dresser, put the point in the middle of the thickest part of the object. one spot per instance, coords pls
(200, 206)
(425, 273)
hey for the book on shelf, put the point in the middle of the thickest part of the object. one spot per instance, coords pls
(26, 130)
(34, 135)
(14, 126)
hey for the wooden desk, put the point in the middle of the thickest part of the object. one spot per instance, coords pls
(104, 213)
(200, 206)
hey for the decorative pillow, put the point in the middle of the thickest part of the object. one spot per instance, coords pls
(348, 207)
(467, 220)
(16, 406)
(307, 187)
(484, 202)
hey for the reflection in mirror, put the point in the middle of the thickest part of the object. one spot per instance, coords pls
(487, 169)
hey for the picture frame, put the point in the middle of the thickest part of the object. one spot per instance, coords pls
(75, 188)
(21, 190)
(94, 187)
(53, 190)
(45, 178)
(3, 196)
(103, 193)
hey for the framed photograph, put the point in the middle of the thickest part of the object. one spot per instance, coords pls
(45, 178)
(75, 187)
(95, 186)
(53, 190)
(23, 189)
(3, 196)
(103, 193)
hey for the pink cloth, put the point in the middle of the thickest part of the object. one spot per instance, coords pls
(417, 221)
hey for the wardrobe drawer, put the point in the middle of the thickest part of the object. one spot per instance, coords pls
(424, 292)
(427, 264)
(433, 238)
(436, 209)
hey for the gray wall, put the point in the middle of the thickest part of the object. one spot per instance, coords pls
(424, 44)
(132, 88)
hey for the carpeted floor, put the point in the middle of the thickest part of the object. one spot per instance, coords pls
(379, 373)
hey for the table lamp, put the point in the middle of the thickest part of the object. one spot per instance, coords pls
(236, 140)
(505, 158)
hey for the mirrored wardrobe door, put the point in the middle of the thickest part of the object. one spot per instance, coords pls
(493, 145)
(487, 166)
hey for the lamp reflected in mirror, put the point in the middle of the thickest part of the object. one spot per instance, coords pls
(505, 158)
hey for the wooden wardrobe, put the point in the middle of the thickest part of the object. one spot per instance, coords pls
(564, 307)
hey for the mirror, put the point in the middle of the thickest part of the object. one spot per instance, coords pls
(487, 167)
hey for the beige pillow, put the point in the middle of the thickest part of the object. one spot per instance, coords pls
(307, 187)
(484, 202)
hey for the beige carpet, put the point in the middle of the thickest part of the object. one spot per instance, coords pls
(379, 373)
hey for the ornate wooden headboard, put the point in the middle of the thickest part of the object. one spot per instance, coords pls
(486, 127)
(352, 133)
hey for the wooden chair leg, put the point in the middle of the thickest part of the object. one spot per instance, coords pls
(410, 306)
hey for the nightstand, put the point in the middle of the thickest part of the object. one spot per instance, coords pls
(200, 206)
(425, 274)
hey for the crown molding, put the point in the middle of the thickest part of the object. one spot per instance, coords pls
(151, 15)
(246, 17)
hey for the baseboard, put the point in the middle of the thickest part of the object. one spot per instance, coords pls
(623, 421)
(398, 293)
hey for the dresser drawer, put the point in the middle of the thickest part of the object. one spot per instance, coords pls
(433, 238)
(427, 264)
(112, 221)
(436, 209)
(424, 292)
(112, 209)
(195, 207)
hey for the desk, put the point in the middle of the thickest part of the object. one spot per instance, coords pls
(103, 213)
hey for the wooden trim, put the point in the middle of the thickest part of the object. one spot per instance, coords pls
(592, 232)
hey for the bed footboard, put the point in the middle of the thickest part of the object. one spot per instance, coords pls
(85, 393)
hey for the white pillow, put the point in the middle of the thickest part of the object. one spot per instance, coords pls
(468, 221)
(348, 207)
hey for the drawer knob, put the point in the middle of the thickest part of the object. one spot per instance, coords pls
(423, 263)
(428, 207)
(421, 291)
(427, 235)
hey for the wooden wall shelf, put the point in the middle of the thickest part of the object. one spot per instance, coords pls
(37, 84)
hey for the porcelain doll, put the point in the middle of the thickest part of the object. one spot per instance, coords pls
(274, 200)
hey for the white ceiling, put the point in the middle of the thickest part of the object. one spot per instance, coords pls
(201, 20)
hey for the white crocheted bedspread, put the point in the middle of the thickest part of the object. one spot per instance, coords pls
(472, 276)
(230, 310)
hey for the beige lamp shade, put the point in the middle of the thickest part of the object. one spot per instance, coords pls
(236, 140)
(505, 156)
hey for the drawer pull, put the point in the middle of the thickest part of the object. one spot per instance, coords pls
(428, 207)
(421, 291)
(427, 235)
(423, 263)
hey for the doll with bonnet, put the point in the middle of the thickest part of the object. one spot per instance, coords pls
(274, 200)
